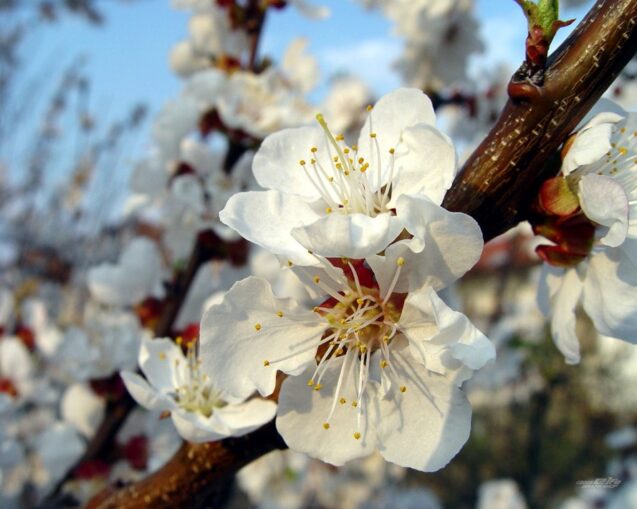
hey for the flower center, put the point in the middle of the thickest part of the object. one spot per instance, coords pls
(361, 323)
(194, 392)
(350, 183)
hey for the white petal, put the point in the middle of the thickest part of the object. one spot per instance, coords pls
(445, 246)
(350, 235)
(159, 359)
(427, 167)
(233, 352)
(443, 340)
(266, 218)
(559, 292)
(590, 144)
(604, 201)
(143, 393)
(610, 294)
(246, 417)
(393, 113)
(276, 163)
(426, 426)
(303, 411)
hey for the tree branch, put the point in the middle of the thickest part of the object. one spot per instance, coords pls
(496, 186)
(192, 474)
(501, 178)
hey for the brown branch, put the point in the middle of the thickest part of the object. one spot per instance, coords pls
(501, 178)
(496, 186)
(189, 478)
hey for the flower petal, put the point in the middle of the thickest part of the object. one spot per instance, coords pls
(276, 163)
(610, 294)
(425, 426)
(604, 201)
(427, 167)
(266, 218)
(143, 393)
(442, 339)
(445, 246)
(249, 327)
(303, 412)
(561, 290)
(158, 359)
(350, 235)
(388, 119)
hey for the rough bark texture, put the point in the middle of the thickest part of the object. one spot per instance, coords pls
(195, 472)
(499, 181)
(496, 186)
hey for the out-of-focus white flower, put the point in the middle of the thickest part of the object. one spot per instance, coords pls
(337, 200)
(368, 369)
(17, 372)
(175, 383)
(56, 449)
(345, 103)
(500, 494)
(82, 408)
(138, 274)
(98, 349)
(440, 37)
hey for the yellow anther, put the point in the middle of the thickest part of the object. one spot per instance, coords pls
(339, 352)
(372, 135)
(357, 436)
(384, 364)
(340, 137)
(257, 327)
(312, 161)
(339, 166)
(302, 162)
(326, 425)
(266, 363)
(355, 147)
(290, 263)
(328, 210)
(317, 387)
(623, 150)
(360, 300)
(346, 173)
(162, 356)
(346, 150)
(335, 159)
(310, 382)
(279, 314)
(342, 401)
(364, 167)
(316, 309)
(400, 261)
(403, 388)
(354, 404)
(314, 150)
(369, 107)
(345, 203)
(330, 179)
(179, 340)
(385, 339)
(316, 279)
(622, 130)
(392, 150)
